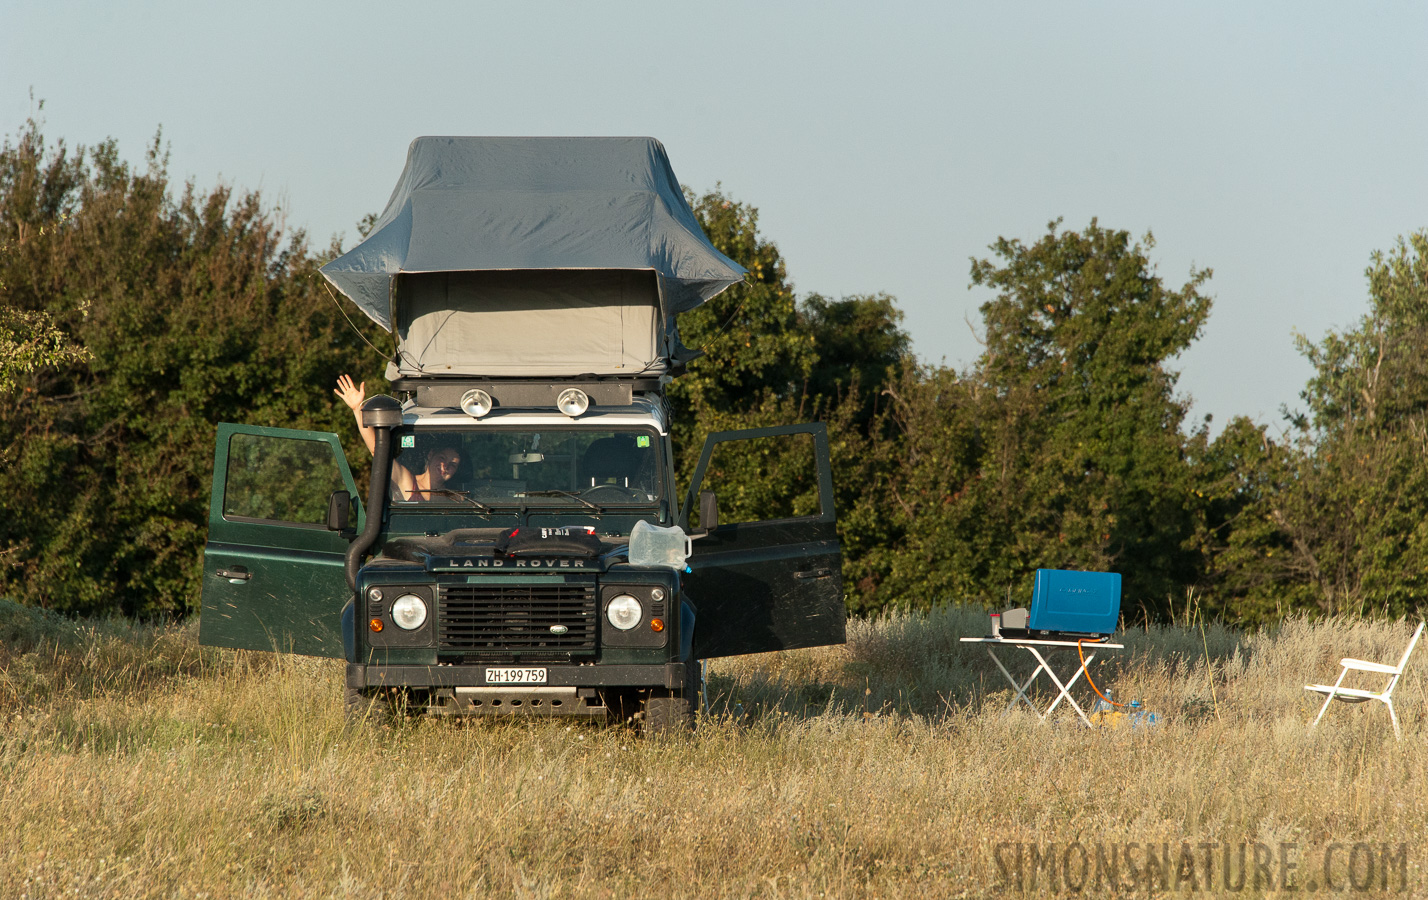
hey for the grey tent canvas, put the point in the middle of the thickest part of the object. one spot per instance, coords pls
(531, 257)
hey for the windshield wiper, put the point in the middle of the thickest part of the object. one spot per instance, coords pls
(576, 497)
(460, 495)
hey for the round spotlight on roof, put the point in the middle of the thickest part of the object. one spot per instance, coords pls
(475, 403)
(572, 402)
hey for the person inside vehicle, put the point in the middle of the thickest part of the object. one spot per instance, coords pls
(425, 481)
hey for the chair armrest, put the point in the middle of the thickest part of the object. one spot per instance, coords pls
(1364, 666)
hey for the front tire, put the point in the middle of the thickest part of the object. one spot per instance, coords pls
(376, 707)
(675, 711)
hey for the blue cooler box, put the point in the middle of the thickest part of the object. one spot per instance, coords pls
(1077, 602)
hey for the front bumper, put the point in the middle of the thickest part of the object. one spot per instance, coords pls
(666, 675)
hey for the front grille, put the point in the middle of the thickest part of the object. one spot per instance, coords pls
(517, 618)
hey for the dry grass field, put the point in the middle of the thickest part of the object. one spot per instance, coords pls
(135, 764)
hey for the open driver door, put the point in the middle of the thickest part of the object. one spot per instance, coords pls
(767, 574)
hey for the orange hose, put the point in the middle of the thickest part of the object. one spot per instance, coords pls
(1082, 653)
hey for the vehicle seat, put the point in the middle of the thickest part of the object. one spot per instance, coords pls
(609, 460)
(462, 480)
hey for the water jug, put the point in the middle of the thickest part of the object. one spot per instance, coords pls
(651, 545)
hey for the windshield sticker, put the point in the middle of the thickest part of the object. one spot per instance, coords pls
(642, 441)
(408, 440)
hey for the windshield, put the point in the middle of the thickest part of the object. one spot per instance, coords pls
(521, 467)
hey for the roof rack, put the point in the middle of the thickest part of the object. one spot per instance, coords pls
(526, 393)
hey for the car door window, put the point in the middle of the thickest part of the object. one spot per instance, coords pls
(767, 478)
(280, 479)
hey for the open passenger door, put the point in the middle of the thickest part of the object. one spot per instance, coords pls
(768, 576)
(273, 574)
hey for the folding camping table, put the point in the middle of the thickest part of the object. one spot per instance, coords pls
(1063, 690)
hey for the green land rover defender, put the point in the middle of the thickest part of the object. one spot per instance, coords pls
(532, 287)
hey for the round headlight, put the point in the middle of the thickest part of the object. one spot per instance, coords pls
(624, 612)
(572, 402)
(409, 612)
(475, 403)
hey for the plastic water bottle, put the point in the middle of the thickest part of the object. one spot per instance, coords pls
(1140, 717)
(1103, 705)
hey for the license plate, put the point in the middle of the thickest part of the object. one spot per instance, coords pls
(508, 675)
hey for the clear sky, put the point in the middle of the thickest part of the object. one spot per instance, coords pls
(1279, 144)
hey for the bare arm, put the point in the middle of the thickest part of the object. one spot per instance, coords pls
(353, 395)
(404, 480)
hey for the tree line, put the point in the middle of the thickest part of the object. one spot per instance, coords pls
(136, 314)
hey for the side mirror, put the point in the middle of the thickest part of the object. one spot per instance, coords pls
(339, 511)
(708, 511)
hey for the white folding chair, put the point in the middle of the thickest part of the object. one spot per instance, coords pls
(1336, 691)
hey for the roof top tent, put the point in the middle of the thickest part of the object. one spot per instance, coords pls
(534, 258)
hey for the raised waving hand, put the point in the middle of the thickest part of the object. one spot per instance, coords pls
(353, 394)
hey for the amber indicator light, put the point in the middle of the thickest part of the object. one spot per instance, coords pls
(375, 624)
(656, 624)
